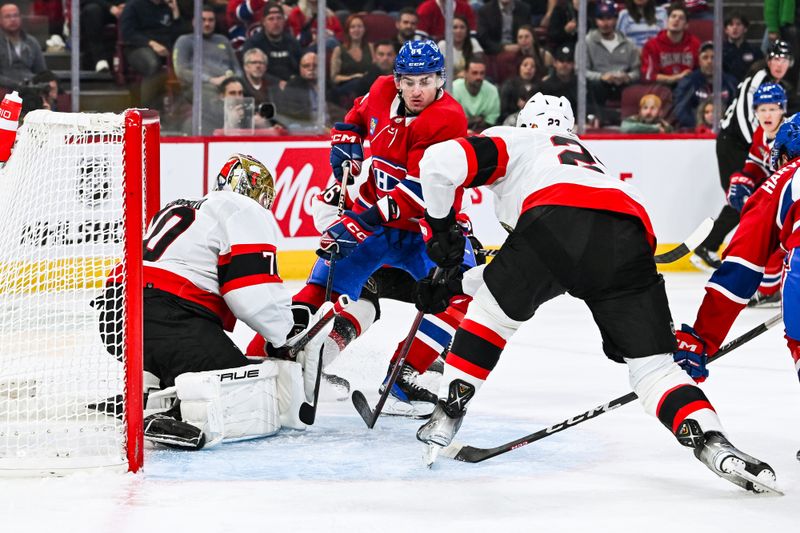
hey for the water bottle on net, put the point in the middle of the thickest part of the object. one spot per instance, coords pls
(9, 120)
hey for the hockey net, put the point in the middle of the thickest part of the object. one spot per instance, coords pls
(72, 210)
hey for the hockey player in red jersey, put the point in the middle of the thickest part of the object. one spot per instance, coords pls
(770, 223)
(401, 116)
(576, 229)
(769, 103)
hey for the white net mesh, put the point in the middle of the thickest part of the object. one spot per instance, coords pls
(62, 217)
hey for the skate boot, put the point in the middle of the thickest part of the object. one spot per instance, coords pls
(764, 301)
(168, 429)
(448, 415)
(722, 458)
(408, 388)
(705, 259)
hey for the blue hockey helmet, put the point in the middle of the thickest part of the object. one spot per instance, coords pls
(770, 93)
(419, 57)
(787, 141)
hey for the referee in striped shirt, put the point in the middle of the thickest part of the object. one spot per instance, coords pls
(733, 143)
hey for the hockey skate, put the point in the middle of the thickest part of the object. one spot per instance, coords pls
(408, 396)
(722, 458)
(763, 301)
(705, 259)
(446, 420)
(168, 429)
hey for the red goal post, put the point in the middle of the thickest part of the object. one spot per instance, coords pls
(74, 200)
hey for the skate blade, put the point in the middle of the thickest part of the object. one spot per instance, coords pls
(429, 454)
(413, 410)
(736, 468)
(451, 450)
(701, 265)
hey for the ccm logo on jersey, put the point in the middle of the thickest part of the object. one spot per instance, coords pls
(233, 376)
(344, 138)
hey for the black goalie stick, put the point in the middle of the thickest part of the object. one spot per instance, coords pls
(369, 415)
(471, 454)
(670, 256)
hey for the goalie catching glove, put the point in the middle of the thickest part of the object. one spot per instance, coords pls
(691, 354)
(444, 239)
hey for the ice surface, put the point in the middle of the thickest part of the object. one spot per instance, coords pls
(622, 472)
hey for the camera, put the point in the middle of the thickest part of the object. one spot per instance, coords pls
(266, 110)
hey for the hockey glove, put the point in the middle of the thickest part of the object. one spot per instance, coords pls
(433, 297)
(342, 237)
(444, 240)
(346, 147)
(739, 191)
(691, 354)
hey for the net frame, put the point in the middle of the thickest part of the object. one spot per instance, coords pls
(140, 201)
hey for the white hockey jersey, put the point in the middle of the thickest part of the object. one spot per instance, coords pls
(219, 252)
(525, 168)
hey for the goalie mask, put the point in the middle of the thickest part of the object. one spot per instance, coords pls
(244, 174)
(547, 112)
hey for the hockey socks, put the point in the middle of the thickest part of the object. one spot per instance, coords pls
(433, 337)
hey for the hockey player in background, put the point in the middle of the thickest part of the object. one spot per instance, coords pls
(578, 230)
(733, 143)
(401, 116)
(207, 263)
(769, 104)
(770, 223)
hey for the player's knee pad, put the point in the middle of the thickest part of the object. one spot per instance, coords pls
(485, 310)
(231, 404)
(472, 280)
(651, 377)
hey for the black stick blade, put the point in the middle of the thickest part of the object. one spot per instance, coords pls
(363, 408)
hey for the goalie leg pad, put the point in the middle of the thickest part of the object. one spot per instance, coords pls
(668, 393)
(291, 393)
(232, 404)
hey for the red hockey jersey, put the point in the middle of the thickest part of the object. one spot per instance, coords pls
(757, 165)
(397, 144)
(661, 56)
(770, 220)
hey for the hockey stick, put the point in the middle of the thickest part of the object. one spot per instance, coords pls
(308, 412)
(670, 256)
(369, 415)
(471, 454)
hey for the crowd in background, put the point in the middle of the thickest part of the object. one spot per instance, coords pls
(649, 64)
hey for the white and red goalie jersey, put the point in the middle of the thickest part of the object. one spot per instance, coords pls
(219, 252)
(397, 144)
(770, 221)
(525, 168)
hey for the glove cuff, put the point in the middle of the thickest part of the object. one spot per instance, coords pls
(439, 225)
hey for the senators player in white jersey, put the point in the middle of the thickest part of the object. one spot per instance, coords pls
(578, 230)
(207, 263)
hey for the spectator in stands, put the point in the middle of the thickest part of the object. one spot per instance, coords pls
(781, 19)
(465, 46)
(382, 65)
(518, 89)
(20, 54)
(563, 27)
(299, 101)
(48, 79)
(281, 49)
(95, 14)
(214, 113)
(737, 54)
(527, 45)
(479, 97)
(612, 62)
(563, 81)
(641, 20)
(219, 59)
(498, 22)
(350, 61)
(149, 29)
(406, 24)
(303, 25)
(649, 118)
(671, 55)
(263, 87)
(431, 17)
(704, 118)
(699, 86)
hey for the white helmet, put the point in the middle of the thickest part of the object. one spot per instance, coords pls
(548, 112)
